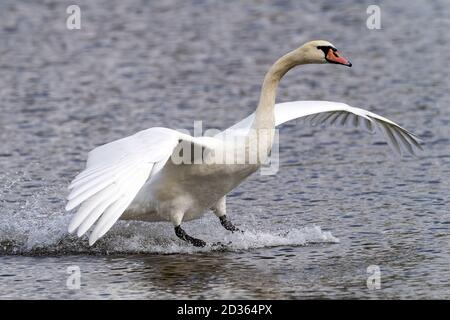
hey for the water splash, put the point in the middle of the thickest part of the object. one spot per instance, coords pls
(40, 237)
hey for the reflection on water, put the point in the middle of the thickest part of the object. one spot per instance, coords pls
(271, 273)
(137, 64)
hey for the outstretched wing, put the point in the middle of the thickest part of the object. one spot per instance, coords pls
(326, 112)
(114, 174)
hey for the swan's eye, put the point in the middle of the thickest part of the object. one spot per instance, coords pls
(325, 49)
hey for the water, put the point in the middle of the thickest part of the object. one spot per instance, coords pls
(339, 203)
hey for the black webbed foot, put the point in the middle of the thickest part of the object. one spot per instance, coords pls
(227, 224)
(184, 236)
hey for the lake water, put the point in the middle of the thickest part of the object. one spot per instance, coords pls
(341, 202)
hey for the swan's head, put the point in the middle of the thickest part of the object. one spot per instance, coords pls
(321, 51)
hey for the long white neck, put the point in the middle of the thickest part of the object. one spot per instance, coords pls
(264, 114)
(263, 128)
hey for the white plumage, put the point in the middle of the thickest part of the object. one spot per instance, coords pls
(133, 178)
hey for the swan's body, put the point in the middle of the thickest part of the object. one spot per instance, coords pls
(136, 178)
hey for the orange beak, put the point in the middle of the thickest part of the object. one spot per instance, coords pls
(333, 56)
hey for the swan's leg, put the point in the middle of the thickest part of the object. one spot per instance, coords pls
(220, 210)
(176, 217)
(184, 236)
(227, 224)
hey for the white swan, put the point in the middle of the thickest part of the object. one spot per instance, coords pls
(133, 178)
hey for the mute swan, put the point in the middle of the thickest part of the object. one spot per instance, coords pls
(133, 178)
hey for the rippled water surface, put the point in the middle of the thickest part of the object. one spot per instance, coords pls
(339, 203)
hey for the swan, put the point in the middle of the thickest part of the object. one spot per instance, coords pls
(137, 177)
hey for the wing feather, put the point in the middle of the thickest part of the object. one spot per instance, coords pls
(114, 212)
(335, 113)
(390, 137)
(114, 174)
(95, 214)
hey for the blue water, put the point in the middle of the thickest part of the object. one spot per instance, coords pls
(340, 202)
